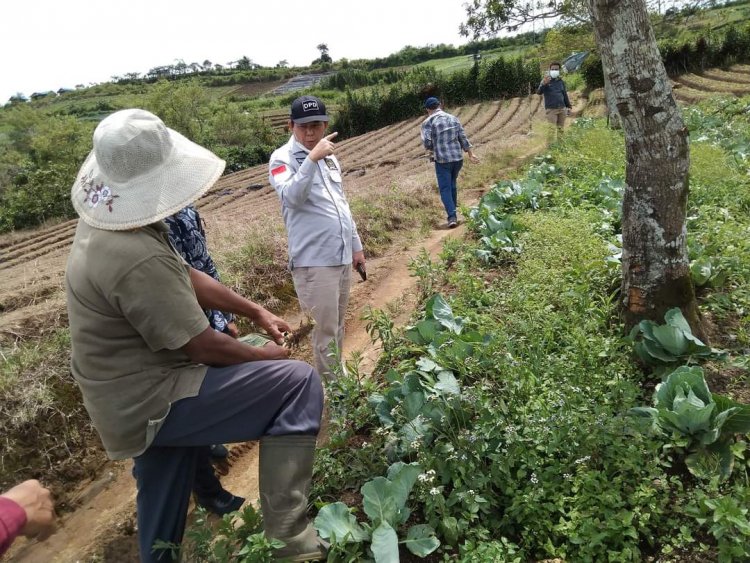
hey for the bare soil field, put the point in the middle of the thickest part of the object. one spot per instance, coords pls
(102, 525)
(692, 88)
(255, 88)
(32, 262)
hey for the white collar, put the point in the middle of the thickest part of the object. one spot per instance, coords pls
(296, 146)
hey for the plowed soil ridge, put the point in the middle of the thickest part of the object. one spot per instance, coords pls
(727, 76)
(703, 83)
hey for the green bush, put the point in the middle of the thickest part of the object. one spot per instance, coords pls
(497, 78)
(511, 390)
(593, 75)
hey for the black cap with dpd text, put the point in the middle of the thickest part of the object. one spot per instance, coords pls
(308, 108)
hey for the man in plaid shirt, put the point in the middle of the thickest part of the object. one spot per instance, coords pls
(443, 134)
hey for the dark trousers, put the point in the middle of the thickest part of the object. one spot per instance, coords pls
(206, 482)
(235, 404)
(447, 173)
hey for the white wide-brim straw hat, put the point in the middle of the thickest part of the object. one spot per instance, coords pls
(140, 172)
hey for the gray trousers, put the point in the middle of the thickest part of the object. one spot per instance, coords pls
(235, 404)
(323, 291)
(556, 118)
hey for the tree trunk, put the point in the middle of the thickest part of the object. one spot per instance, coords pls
(655, 266)
(613, 118)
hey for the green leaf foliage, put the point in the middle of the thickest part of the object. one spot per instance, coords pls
(670, 343)
(385, 544)
(337, 523)
(684, 407)
(421, 540)
(437, 308)
(378, 501)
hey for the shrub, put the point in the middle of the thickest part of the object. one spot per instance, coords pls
(593, 75)
(497, 78)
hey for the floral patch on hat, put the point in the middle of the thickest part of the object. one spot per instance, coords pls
(97, 193)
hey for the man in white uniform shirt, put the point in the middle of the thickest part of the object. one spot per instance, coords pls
(324, 245)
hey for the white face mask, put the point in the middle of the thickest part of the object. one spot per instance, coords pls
(554, 73)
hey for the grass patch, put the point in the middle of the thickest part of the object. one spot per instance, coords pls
(464, 62)
(47, 432)
(384, 214)
(258, 269)
(512, 395)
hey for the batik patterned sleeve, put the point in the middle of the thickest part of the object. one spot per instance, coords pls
(187, 235)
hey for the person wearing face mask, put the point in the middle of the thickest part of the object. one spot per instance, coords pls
(556, 103)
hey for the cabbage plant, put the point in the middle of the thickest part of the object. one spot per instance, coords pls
(384, 501)
(670, 343)
(702, 423)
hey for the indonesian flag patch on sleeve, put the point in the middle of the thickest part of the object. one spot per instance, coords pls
(280, 173)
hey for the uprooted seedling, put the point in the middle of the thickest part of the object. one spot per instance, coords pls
(293, 339)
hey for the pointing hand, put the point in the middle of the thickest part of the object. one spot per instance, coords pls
(324, 147)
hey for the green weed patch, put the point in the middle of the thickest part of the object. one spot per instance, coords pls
(512, 388)
(47, 433)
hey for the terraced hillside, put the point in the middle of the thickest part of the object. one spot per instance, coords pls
(691, 88)
(32, 262)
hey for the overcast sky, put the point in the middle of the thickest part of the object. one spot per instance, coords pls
(48, 44)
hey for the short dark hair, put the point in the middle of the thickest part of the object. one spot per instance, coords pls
(558, 65)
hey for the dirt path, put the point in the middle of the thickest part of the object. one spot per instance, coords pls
(104, 522)
(102, 528)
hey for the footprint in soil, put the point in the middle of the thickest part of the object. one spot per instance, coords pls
(123, 546)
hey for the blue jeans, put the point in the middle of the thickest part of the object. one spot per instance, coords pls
(446, 173)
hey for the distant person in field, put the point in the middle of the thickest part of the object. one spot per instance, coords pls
(158, 382)
(25, 510)
(324, 245)
(556, 103)
(443, 134)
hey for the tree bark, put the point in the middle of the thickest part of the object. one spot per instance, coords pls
(655, 265)
(613, 117)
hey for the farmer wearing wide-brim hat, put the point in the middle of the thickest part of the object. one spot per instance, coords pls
(158, 382)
